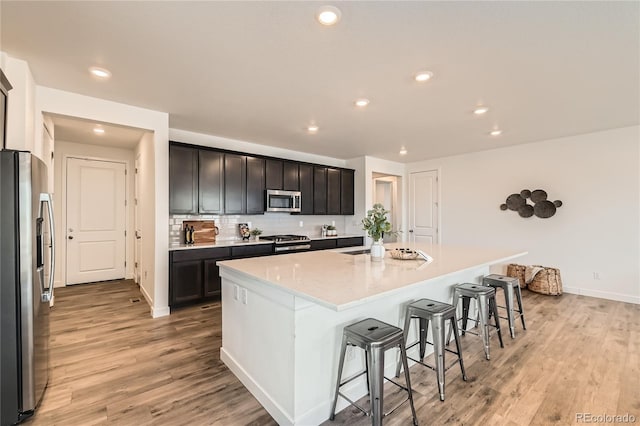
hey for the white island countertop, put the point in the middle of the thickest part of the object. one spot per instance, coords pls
(340, 281)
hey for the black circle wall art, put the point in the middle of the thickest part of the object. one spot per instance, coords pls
(540, 207)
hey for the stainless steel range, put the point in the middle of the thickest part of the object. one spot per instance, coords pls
(289, 243)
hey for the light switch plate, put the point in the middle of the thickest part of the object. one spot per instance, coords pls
(243, 295)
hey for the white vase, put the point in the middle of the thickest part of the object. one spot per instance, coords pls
(377, 251)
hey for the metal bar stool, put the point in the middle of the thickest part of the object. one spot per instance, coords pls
(485, 298)
(375, 337)
(509, 286)
(438, 313)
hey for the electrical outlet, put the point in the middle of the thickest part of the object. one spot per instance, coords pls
(301, 224)
(236, 292)
(596, 275)
(243, 295)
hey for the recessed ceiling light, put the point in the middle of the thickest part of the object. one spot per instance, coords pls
(480, 110)
(100, 73)
(98, 130)
(495, 132)
(423, 76)
(312, 128)
(328, 15)
(362, 102)
(403, 151)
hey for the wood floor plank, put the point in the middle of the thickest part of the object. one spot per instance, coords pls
(114, 365)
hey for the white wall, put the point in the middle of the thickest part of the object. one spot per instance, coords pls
(21, 107)
(597, 229)
(146, 206)
(155, 243)
(65, 150)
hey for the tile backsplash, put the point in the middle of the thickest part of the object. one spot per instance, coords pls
(270, 223)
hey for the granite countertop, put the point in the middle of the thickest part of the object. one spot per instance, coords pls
(339, 280)
(238, 242)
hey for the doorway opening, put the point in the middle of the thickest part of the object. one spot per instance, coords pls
(386, 192)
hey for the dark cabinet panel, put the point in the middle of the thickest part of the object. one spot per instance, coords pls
(255, 185)
(323, 244)
(350, 242)
(212, 284)
(347, 192)
(319, 190)
(306, 188)
(235, 187)
(273, 172)
(183, 180)
(333, 191)
(290, 178)
(211, 182)
(251, 250)
(186, 282)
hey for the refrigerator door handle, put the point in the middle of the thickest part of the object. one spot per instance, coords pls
(47, 294)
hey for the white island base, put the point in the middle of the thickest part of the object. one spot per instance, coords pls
(283, 316)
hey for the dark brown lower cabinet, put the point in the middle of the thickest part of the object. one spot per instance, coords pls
(187, 282)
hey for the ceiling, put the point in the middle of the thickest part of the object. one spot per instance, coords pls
(262, 71)
(73, 129)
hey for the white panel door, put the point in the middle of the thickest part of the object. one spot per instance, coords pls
(96, 210)
(423, 207)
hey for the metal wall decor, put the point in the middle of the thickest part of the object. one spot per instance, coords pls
(541, 207)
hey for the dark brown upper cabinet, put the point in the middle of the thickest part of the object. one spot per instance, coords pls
(183, 180)
(235, 184)
(290, 177)
(306, 188)
(347, 183)
(333, 191)
(319, 190)
(273, 174)
(211, 182)
(255, 185)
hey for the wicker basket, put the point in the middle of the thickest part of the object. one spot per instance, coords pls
(517, 271)
(547, 281)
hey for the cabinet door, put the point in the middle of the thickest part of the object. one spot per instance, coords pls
(323, 244)
(319, 190)
(212, 280)
(333, 191)
(211, 181)
(183, 180)
(306, 188)
(290, 179)
(186, 282)
(273, 174)
(235, 186)
(255, 185)
(350, 242)
(347, 192)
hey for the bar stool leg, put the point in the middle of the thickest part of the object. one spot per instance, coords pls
(454, 326)
(455, 305)
(483, 310)
(438, 349)
(403, 356)
(376, 362)
(465, 313)
(493, 307)
(424, 326)
(519, 298)
(508, 297)
(407, 326)
(343, 351)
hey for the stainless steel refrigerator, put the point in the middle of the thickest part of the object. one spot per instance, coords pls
(26, 288)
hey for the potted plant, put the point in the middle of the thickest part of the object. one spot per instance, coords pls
(331, 230)
(376, 225)
(256, 232)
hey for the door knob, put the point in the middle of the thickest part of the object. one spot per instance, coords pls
(70, 237)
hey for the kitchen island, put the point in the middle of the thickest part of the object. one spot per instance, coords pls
(282, 317)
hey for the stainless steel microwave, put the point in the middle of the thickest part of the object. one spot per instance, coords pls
(283, 201)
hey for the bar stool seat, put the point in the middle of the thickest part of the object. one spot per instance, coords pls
(374, 337)
(426, 310)
(509, 286)
(485, 298)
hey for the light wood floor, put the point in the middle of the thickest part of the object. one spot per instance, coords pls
(113, 364)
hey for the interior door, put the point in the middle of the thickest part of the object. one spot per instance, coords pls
(423, 207)
(96, 210)
(136, 214)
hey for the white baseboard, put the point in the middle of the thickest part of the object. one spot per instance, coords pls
(160, 312)
(603, 294)
(276, 411)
